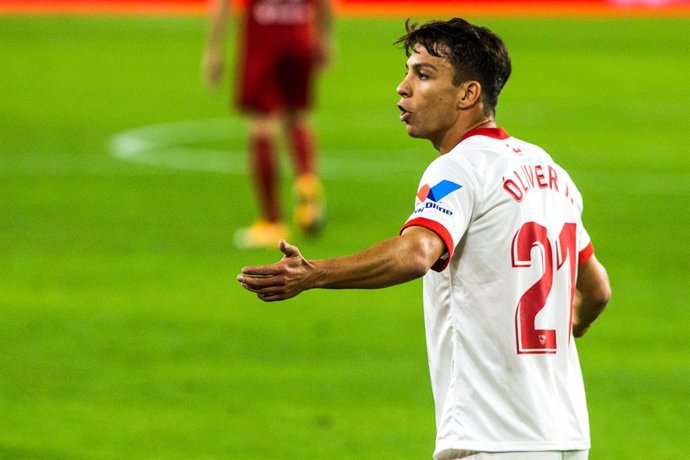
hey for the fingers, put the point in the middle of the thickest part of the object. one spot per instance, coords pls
(262, 279)
(261, 282)
(273, 287)
(268, 289)
(279, 281)
(272, 297)
(288, 249)
(261, 271)
(270, 270)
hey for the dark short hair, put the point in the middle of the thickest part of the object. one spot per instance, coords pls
(475, 52)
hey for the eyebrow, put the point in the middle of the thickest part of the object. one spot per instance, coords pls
(421, 65)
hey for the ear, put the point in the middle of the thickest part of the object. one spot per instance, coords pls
(469, 94)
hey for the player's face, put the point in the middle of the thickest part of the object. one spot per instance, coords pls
(428, 97)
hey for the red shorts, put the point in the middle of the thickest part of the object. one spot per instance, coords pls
(273, 80)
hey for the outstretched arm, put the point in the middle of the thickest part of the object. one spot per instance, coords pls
(592, 293)
(392, 261)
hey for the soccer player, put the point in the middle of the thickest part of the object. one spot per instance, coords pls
(283, 45)
(510, 277)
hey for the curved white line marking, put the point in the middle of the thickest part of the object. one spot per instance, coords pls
(171, 145)
(167, 145)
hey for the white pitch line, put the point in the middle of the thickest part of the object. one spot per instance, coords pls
(173, 146)
(168, 145)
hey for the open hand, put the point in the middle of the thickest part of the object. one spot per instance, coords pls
(282, 280)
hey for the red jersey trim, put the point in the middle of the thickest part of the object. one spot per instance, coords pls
(441, 231)
(496, 133)
(585, 254)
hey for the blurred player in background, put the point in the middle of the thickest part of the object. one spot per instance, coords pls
(510, 276)
(282, 46)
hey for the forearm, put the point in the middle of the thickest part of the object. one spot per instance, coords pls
(585, 311)
(390, 262)
(592, 294)
(393, 261)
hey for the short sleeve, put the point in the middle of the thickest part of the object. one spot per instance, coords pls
(585, 249)
(444, 203)
(584, 244)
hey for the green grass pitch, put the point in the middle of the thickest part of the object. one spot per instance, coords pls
(123, 333)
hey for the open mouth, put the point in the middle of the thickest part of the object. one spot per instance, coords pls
(404, 115)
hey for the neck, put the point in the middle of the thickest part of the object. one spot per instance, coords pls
(488, 122)
(454, 137)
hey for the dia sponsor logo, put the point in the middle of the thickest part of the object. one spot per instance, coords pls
(432, 205)
(430, 196)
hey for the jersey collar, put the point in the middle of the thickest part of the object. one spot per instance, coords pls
(496, 133)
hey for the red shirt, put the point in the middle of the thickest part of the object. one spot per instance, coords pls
(280, 24)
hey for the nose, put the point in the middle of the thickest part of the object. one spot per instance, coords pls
(403, 88)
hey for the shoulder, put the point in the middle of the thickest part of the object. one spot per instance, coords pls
(454, 162)
(477, 155)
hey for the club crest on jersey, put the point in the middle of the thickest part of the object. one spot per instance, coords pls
(430, 196)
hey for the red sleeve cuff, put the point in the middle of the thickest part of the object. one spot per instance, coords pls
(442, 233)
(585, 254)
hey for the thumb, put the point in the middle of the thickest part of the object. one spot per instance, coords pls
(288, 249)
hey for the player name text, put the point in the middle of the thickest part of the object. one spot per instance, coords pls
(533, 177)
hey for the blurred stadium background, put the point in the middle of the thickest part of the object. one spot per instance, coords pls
(123, 333)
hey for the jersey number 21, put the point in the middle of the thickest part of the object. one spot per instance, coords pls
(530, 339)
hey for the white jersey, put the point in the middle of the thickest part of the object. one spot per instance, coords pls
(498, 305)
